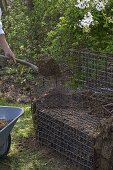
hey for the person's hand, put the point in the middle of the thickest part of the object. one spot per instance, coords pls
(6, 48)
(9, 54)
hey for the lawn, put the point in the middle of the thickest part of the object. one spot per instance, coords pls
(25, 154)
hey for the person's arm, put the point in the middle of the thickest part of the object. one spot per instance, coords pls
(4, 44)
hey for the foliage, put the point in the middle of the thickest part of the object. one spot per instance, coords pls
(53, 27)
(56, 26)
(16, 25)
(67, 32)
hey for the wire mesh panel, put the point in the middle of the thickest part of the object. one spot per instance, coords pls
(93, 70)
(70, 133)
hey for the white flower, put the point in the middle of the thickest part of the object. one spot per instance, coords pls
(82, 4)
(100, 6)
(87, 20)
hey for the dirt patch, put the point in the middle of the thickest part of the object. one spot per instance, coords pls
(27, 143)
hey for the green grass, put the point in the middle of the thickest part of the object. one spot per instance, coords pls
(24, 156)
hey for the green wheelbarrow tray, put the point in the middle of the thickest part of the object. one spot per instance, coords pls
(11, 114)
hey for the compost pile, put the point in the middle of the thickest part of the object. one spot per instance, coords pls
(87, 111)
(93, 103)
(3, 123)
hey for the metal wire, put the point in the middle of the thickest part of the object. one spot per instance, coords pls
(93, 71)
(65, 137)
(72, 132)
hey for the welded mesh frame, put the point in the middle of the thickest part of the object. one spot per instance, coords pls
(74, 144)
(93, 70)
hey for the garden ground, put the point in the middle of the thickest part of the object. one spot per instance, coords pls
(25, 154)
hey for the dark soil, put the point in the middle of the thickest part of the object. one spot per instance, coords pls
(3, 123)
(96, 104)
(82, 109)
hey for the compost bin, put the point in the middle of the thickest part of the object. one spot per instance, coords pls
(79, 123)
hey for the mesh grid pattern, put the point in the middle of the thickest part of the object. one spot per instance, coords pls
(94, 71)
(73, 135)
(67, 138)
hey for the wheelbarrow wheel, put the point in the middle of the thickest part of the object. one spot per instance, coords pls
(5, 148)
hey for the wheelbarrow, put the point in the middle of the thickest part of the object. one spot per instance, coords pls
(10, 114)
